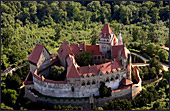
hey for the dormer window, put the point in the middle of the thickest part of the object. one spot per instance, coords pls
(104, 34)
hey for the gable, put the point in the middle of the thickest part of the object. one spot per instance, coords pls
(35, 54)
(64, 50)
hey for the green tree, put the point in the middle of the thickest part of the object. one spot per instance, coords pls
(4, 107)
(164, 13)
(153, 73)
(9, 96)
(99, 108)
(155, 63)
(56, 72)
(94, 37)
(125, 14)
(154, 14)
(85, 58)
(13, 81)
(104, 91)
(163, 55)
(151, 49)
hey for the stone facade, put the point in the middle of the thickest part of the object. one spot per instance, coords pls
(79, 82)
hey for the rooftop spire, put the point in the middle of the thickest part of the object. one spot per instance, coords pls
(120, 42)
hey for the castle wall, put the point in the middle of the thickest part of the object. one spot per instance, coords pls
(63, 90)
(136, 87)
(107, 78)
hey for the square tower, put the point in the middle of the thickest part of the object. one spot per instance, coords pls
(107, 39)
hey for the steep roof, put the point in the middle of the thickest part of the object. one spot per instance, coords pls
(115, 40)
(64, 50)
(106, 29)
(35, 54)
(120, 42)
(119, 49)
(126, 82)
(77, 48)
(94, 49)
(72, 71)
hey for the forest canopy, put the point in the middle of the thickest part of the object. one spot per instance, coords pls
(27, 23)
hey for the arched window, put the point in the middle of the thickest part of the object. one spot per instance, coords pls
(111, 79)
(72, 89)
(88, 83)
(93, 82)
(83, 83)
(117, 77)
(107, 80)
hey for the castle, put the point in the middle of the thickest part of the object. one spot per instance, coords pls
(112, 65)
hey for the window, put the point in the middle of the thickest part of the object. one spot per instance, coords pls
(107, 80)
(98, 57)
(102, 57)
(95, 57)
(88, 83)
(100, 74)
(83, 84)
(117, 77)
(72, 89)
(104, 34)
(107, 72)
(111, 79)
(93, 82)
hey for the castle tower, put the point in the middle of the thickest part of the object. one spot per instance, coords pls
(106, 39)
(120, 42)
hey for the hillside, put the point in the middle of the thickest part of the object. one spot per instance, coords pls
(144, 27)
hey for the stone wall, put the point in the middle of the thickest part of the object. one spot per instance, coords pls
(122, 94)
(57, 89)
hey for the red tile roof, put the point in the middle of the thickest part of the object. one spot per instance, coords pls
(126, 82)
(116, 51)
(106, 29)
(77, 48)
(64, 50)
(35, 54)
(95, 69)
(72, 71)
(94, 49)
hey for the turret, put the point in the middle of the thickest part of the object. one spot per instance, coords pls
(106, 39)
(120, 42)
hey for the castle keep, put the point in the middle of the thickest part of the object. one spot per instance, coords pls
(112, 66)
